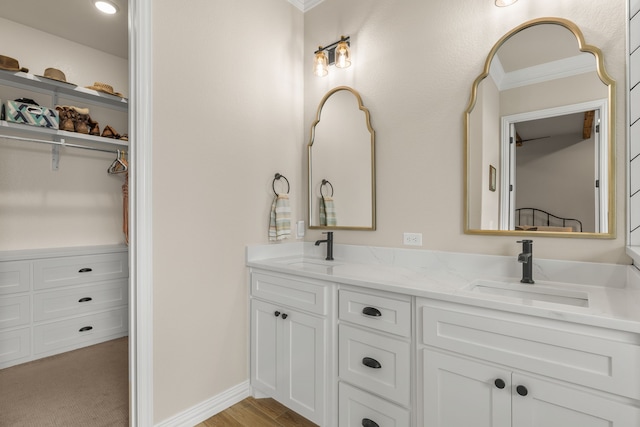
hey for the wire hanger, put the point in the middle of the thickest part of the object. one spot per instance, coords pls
(120, 164)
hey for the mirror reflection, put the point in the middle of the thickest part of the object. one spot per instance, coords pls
(342, 164)
(539, 136)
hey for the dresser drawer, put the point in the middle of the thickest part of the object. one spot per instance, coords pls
(576, 353)
(78, 270)
(14, 311)
(79, 300)
(14, 345)
(80, 331)
(382, 311)
(357, 406)
(307, 295)
(14, 277)
(375, 363)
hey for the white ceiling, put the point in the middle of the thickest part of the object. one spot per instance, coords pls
(76, 20)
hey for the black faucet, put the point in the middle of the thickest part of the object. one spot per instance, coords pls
(526, 259)
(329, 242)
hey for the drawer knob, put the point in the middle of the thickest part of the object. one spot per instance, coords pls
(85, 270)
(277, 313)
(366, 422)
(85, 299)
(285, 315)
(371, 363)
(371, 311)
(522, 390)
(85, 329)
(500, 383)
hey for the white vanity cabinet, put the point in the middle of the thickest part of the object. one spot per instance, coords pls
(374, 358)
(489, 368)
(291, 342)
(52, 301)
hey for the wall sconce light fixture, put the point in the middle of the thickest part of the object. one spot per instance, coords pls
(504, 3)
(337, 53)
(106, 6)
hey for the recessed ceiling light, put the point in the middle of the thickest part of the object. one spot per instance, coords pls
(106, 7)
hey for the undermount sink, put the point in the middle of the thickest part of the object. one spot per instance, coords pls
(538, 292)
(316, 265)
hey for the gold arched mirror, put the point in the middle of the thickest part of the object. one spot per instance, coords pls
(341, 161)
(539, 137)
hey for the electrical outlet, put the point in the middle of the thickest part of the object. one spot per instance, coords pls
(413, 239)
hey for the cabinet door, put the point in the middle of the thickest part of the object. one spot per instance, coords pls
(538, 403)
(304, 363)
(462, 393)
(264, 347)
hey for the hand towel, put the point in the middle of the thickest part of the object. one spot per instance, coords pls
(327, 211)
(280, 222)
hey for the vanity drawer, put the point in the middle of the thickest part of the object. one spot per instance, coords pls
(357, 406)
(14, 277)
(304, 294)
(78, 270)
(79, 300)
(376, 363)
(576, 353)
(68, 334)
(14, 311)
(14, 345)
(382, 311)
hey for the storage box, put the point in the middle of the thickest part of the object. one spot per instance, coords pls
(18, 112)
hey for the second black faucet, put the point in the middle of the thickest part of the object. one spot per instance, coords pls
(329, 242)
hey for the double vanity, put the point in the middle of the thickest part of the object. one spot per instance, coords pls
(395, 337)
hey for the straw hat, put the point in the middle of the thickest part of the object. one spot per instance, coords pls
(55, 74)
(103, 87)
(11, 64)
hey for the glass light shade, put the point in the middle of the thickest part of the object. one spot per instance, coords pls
(503, 3)
(106, 7)
(321, 64)
(343, 55)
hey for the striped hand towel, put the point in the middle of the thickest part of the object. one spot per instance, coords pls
(327, 211)
(280, 222)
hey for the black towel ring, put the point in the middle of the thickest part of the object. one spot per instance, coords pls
(273, 184)
(325, 182)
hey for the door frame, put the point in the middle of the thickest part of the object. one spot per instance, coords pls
(140, 216)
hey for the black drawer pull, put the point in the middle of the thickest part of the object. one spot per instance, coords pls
(366, 422)
(85, 329)
(371, 363)
(85, 299)
(500, 383)
(371, 311)
(85, 270)
(522, 390)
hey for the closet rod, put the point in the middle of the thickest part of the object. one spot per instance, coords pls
(60, 143)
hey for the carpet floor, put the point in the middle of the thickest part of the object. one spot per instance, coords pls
(88, 387)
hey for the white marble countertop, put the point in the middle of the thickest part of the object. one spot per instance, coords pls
(613, 290)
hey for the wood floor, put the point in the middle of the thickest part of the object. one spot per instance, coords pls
(257, 413)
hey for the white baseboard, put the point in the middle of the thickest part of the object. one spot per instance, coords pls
(204, 410)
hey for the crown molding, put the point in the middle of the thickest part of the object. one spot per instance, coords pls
(305, 5)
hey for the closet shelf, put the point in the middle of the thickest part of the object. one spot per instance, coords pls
(35, 132)
(63, 90)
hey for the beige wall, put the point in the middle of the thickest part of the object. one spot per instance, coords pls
(414, 63)
(227, 89)
(79, 204)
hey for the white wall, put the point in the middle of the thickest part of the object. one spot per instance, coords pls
(414, 63)
(227, 89)
(79, 204)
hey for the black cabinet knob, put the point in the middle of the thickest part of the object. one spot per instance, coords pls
(277, 313)
(366, 422)
(522, 390)
(85, 329)
(371, 311)
(85, 270)
(500, 383)
(285, 315)
(85, 299)
(371, 363)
